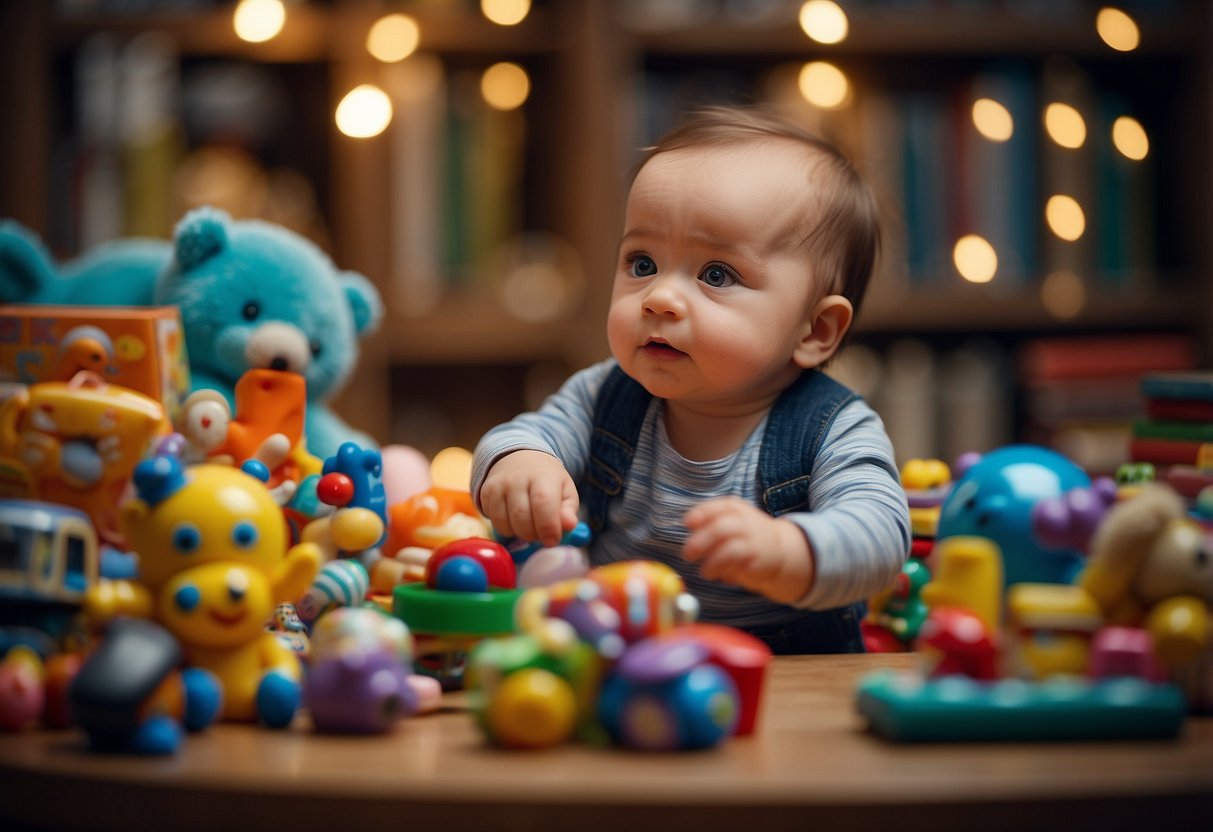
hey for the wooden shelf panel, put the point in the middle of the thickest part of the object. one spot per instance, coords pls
(893, 33)
(961, 307)
(309, 33)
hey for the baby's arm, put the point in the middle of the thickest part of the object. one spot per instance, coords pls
(523, 471)
(848, 545)
(528, 494)
(738, 543)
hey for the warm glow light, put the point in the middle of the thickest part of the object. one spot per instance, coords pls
(1117, 29)
(975, 259)
(258, 20)
(1065, 125)
(824, 21)
(1063, 295)
(1065, 217)
(393, 38)
(364, 112)
(824, 85)
(1130, 138)
(505, 86)
(993, 120)
(505, 12)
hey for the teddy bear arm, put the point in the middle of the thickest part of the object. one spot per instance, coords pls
(112, 598)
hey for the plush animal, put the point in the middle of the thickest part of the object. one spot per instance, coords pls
(1151, 566)
(252, 294)
(214, 565)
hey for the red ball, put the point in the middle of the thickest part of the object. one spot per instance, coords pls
(495, 558)
(335, 489)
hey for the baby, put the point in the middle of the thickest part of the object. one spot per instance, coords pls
(711, 441)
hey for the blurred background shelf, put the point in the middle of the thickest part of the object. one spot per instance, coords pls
(491, 230)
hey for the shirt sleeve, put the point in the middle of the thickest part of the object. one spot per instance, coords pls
(859, 523)
(560, 427)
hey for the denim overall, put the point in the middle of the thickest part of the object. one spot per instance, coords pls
(796, 427)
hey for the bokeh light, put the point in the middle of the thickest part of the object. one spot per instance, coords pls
(975, 258)
(505, 12)
(505, 86)
(824, 21)
(365, 111)
(993, 120)
(1063, 295)
(393, 38)
(257, 21)
(1065, 125)
(1117, 29)
(1130, 138)
(824, 85)
(1065, 217)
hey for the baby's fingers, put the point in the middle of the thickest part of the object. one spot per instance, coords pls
(549, 510)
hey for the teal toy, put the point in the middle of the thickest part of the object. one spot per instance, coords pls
(906, 708)
(251, 294)
(994, 499)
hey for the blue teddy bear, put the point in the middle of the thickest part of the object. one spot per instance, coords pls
(252, 294)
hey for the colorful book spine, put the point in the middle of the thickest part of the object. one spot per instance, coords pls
(1171, 429)
(1185, 386)
(1165, 451)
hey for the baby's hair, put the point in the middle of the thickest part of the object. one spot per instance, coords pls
(844, 239)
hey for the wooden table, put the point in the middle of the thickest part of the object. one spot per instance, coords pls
(811, 765)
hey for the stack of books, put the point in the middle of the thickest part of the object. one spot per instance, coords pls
(1177, 431)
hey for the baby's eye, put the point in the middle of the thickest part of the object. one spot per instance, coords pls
(718, 275)
(643, 266)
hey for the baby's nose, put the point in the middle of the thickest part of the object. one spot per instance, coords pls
(664, 298)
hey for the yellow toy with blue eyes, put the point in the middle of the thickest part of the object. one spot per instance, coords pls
(214, 564)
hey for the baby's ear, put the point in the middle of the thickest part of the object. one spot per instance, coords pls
(823, 331)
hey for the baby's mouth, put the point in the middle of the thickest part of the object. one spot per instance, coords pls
(661, 349)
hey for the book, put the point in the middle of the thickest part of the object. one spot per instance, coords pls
(998, 192)
(1069, 172)
(418, 90)
(927, 172)
(1185, 431)
(1100, 356)
(1187, 386)
(1184, 410)
(1124, 227)
(1165, 451)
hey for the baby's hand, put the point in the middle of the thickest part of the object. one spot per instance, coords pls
(529, 495)
(737, 543)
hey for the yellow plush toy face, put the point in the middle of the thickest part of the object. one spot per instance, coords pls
(220, 514)
(216, 605)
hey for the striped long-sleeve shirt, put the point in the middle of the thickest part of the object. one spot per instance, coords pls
(858, 524)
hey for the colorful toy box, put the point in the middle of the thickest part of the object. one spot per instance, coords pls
(142, 348)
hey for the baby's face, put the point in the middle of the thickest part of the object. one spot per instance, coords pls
(714, 284)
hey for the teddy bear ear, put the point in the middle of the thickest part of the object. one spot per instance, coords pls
(1124, 540)
(201, 234)
(26, 267)
(364, 301)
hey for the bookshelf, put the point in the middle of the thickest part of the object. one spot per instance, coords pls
(453, 359)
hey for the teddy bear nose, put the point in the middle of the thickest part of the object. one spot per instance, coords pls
(237, 585)
(279, 363)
